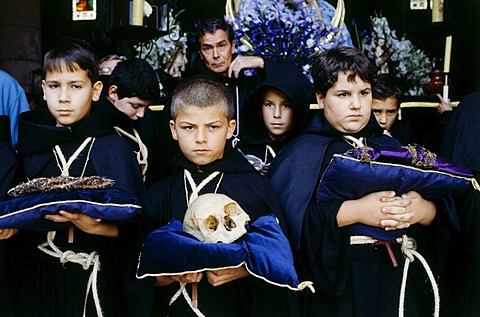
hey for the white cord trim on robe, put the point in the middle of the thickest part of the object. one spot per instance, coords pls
(65, 165)
(85, 260)
(408, 248)
(195, 190)
(237, 128)
(142, 154)
(355, 142)
(269, 149)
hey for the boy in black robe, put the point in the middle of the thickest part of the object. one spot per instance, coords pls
(70, 140)
(132, 88)
(202, 112)
(350, 279)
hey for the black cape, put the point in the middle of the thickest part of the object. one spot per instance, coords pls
(460, 143)
(8, 169)
(350, 281)
(166, 200)
(41, 285)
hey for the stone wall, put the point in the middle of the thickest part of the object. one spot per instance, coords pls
(20, 41)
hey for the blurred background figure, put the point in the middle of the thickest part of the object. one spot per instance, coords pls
(13, 101)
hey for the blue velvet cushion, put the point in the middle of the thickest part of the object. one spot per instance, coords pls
(264, 250)
(28, 211)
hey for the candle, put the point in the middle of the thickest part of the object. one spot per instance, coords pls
(437, 11)
(137, 12)
(448, 52)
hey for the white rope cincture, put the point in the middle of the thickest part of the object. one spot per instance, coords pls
(408, 248)
(86, 260)
(142, 154)
(182, 290)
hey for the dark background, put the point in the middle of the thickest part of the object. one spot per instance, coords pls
(460, 20)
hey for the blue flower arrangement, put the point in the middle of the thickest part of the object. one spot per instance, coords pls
(291, 30)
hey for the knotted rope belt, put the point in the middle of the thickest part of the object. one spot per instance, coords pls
(84, 259)
(408, 248)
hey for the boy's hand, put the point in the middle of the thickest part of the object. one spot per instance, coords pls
(85, 223)
(183, 278)
(424, 211)
(380, 209)
(7, 233)
(222, 276)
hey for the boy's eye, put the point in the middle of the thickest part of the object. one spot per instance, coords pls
(391, 112)
(342, 94)
(134, 106)
(76, 86)
(286, 105)
(365, 93)
(268, 104)
(53, 86)
(214, 127)
(375, 111)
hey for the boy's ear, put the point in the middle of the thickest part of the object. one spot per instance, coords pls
(173, 130)
(97, 90)
(320, 99)
(112, 92)
(231, 128)
(44, 84)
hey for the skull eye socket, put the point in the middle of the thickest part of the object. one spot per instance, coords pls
(229, 223)
(211, 223)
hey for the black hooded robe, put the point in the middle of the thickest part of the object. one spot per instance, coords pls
(349, 280)
(247, 296)
(460, 143)
(148, 129)
(40, 285)
(254, 137)
(8, 168)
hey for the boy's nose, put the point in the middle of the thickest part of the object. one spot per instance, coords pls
(140, 112)
(355, 103)
(64, 95)
(201, 136)
(277, 112)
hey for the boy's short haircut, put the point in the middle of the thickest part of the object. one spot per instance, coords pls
(210, 26)
(330, 63)
(135, 78)
(202, 91)
(74, 54)
(386, 86)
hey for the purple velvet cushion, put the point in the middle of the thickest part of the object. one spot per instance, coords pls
(362, 171)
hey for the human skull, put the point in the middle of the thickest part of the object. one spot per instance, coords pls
(215, 218)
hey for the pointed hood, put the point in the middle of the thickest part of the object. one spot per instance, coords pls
(287, 78)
